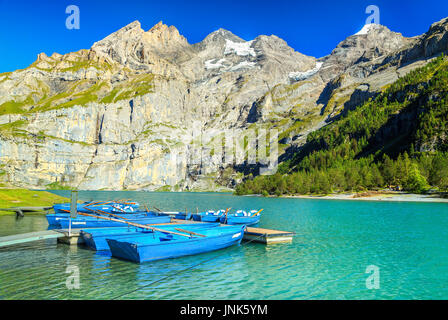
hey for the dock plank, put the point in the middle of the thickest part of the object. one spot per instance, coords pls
(267, 231)
(267, 236)
(29, 237)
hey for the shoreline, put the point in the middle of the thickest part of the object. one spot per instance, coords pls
(377, 196)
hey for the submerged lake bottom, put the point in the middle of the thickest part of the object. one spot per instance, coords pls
(341, 250)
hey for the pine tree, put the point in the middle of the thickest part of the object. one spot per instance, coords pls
(415, 181)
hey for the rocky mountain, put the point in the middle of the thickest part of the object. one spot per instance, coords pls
(125, 114)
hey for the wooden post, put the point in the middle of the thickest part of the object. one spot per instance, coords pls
(73, 210)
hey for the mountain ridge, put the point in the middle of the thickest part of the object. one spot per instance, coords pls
(110, 117)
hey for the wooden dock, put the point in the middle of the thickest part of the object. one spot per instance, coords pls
(267, 236)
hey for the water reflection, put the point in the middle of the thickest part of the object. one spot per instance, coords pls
(335, 241)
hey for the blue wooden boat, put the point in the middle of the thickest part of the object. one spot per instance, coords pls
(54, 218)
(89, 222)
(65, 207)
(95, 238)
(119, 208)
(210, 216)
(161, 245)
(106, 206)
(183, 215)
(241, 217)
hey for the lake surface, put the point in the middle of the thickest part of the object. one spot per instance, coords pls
(336, 241)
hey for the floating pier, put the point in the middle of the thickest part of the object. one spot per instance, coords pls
(267, 236)
(29, 237)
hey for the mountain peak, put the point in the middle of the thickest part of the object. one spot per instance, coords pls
(373, 28)
(127, 31)
(367, 29)
(160, 27)
(223, 32)
(164, 35)
(42, 56)
(220, 35)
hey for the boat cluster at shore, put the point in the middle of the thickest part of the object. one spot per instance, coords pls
(121, 229)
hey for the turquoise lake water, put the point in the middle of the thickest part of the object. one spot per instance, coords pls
(334, 244)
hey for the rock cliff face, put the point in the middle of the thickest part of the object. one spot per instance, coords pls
(128, 112)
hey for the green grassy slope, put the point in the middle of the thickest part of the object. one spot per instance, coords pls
(27, 198)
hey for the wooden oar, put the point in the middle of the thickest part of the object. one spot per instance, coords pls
(125, 201)
(98, 212)
(98, 203)
(134, 224)
(257, 213)
(91, 203)
(157, 209)
(190, 232)
(160, 211)
(104, 212)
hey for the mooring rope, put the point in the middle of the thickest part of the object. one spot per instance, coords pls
(183, 270)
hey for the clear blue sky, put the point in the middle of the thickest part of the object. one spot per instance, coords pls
(311, 27)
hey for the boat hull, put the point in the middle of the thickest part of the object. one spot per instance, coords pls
(209, 218)
(166, 248)
(248, 221)
(65, 207)
(182, 216)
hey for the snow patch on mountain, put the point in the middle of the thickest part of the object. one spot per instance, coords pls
(242, 65)
(210, 64)
(367, 28)
(240, 48)
(299, 76)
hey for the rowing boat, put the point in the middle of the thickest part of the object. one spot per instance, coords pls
(161, 245)
(95, 238)
(209, 216)
(182, 215)
(54, 218)
(106, 206)
(241, 217)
